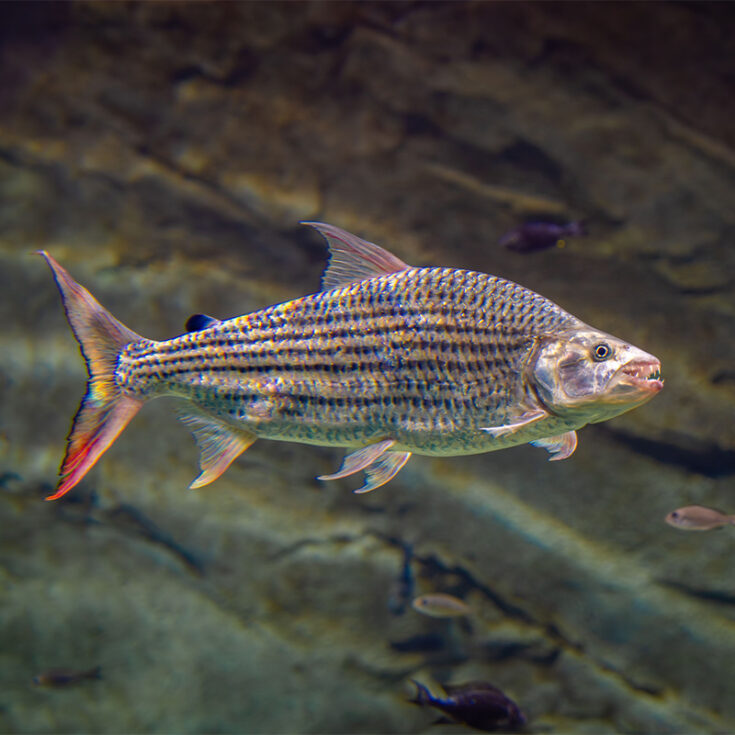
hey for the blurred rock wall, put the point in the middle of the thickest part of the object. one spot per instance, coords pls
(165, 153)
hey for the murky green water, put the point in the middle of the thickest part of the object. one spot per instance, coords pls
(165, 154)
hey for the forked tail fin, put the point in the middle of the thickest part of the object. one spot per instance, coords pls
(104, 411)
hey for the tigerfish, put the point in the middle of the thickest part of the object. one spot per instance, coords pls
(386, 360)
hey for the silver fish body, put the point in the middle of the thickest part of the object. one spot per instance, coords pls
(427, 356)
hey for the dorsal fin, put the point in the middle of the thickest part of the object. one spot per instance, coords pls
(353, 259)
(197, 322)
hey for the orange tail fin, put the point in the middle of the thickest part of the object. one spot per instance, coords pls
(105, 411)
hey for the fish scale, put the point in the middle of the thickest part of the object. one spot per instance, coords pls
(365, 353)
(386, 360)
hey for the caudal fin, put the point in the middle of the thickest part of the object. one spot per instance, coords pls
(104, 411)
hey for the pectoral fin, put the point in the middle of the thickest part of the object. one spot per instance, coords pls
(524, 420)
(559, 447)
(220, 446)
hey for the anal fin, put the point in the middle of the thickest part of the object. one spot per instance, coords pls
(560, 446)
(219, 445)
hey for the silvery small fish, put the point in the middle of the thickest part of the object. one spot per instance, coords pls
(477, 704)
(439, 605)
(699, 518)
(387, 360)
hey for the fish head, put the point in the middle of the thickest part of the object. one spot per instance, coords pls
(679, 519)
(588, 375)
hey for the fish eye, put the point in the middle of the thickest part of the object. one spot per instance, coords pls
(602, 351)
(675, 514)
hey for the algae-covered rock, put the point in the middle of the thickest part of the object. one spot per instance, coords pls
(164, 154)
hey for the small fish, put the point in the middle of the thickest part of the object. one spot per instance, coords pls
(533, 236)
(65, 677)
(387, 360)
(477, 704)
(439, 605)
(698, 518)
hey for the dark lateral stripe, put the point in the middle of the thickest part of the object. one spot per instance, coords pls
(345, 345)
(287, 358)
(370, 370)
(370, 362)
(410, 367)
(428, 364)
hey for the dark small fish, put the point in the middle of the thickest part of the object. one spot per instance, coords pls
(402, 590)
(65, 677)
(476, 704)
(533, 236)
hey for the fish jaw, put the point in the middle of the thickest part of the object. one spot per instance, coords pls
(638, 380)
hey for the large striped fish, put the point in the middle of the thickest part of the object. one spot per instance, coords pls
(387, 360)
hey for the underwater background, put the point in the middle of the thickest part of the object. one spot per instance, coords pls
(165, 154)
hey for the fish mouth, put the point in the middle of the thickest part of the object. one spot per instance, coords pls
(641, 375)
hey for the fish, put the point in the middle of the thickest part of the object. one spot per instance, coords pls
(532, 236)
(440, 605)
(65, 677)
(477, 704)
(699, 518)
(386, 361)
